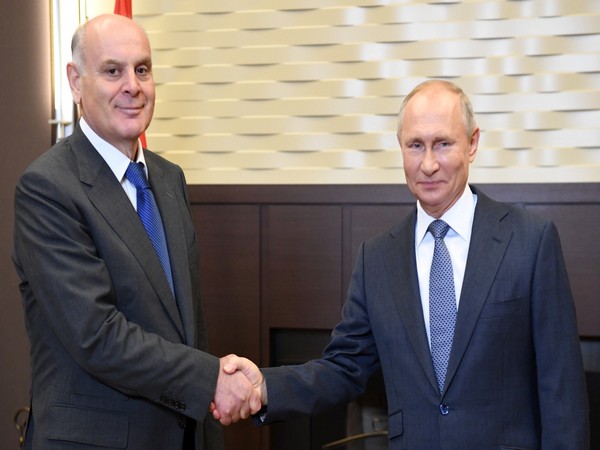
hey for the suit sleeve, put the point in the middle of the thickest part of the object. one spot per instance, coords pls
(66, 285)
(561, 380)
(340, 375)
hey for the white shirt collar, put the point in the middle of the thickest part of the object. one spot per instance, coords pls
(115, 159)
(459, 217)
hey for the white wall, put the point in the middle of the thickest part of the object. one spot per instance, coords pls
(283, 91)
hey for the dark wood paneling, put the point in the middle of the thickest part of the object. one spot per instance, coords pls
(229, 267)
(371, 194)
(301, 266)
(300, 194)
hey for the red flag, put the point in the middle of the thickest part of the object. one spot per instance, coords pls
(123, 8)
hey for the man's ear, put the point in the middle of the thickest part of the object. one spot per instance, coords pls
(473, 144)
(74, 77)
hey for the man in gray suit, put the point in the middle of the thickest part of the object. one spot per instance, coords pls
(513, 375)
(118, 343)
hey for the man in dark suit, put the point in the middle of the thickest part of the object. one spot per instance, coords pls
(513, 376)
(118, 343)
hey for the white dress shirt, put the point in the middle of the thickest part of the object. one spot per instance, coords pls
(460, 219)
(116, 160)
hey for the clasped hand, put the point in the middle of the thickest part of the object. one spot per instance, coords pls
(240, 391)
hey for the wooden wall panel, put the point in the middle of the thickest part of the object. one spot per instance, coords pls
(229, 268)
(302, 266)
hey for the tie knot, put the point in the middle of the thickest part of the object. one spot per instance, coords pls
(438, 228)
(136, 175)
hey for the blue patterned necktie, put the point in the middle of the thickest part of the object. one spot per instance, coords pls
(149, 215)
(442, 302)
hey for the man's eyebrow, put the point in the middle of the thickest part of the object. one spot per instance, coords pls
(111, 62)
(115, 62)
(146, 61)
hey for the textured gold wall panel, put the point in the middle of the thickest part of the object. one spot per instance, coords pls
(289, 91)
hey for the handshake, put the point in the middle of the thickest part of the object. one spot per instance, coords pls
(241, 390)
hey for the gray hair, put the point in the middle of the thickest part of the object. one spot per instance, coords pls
(465, 103)
(78, 47)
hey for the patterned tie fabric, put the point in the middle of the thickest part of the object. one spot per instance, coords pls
(442, 302)
(149, 215)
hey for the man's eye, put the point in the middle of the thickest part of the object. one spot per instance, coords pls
(143, 71)
(112, 71)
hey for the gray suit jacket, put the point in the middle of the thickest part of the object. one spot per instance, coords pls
(515, 378)
(117, 360)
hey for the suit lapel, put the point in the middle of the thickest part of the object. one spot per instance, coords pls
(489, 240)
(166, 199)
(109, 198)
(401, 268)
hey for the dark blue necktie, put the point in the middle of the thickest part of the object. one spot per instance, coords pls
(442, 302)
(150, 217)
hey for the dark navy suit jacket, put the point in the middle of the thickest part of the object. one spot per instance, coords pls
(515, 378)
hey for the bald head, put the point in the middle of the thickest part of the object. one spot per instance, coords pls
(101, 25)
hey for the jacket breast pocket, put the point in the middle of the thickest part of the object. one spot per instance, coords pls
(97, 427)
(505, 308)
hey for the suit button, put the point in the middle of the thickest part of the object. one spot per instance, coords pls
(444, 409)
(182, 422)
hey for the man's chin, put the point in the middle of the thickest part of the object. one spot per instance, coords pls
(431, 192)
(430, 197)
(134, 131)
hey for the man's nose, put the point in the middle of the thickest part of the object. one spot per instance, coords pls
(429, 164)
(131, 82)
